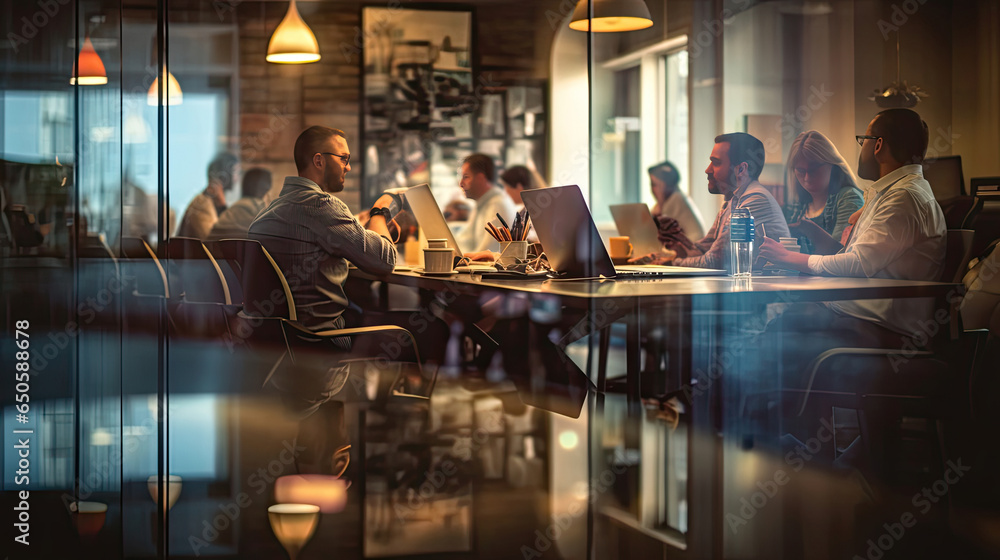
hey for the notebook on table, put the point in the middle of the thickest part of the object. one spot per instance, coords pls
(573, 245)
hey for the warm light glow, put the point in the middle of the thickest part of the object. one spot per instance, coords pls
(611, 16)
(292, 42)
(174, 94)
(293, 525)
(88, 517)
(173, 490)
(329, 493)
(568, 440)
(89, 67)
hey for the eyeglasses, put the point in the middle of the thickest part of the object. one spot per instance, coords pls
(862, 137)
(811, 170)
(345, 158)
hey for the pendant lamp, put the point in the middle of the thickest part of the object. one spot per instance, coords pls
(899, 93)
(611, 16)
(292, 42)
(88, 66)
(173, 92)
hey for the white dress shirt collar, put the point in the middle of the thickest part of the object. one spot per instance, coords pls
(894, 176)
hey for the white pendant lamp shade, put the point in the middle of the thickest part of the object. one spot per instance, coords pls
(89, 68)
(173, 91)
(292, 42)
(611, 16)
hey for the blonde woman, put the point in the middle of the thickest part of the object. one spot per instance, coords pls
(822, 193)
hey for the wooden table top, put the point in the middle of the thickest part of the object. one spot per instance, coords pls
(772, 288)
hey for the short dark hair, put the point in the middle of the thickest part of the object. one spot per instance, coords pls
(519, 175)
(310, 142)
(905, 132)
(482, 163)
(256, 182)
(222, 168)
(744, 148)
(666, 172)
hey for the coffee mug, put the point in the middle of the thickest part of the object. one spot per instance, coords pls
(438, 259)
(620, 247)
(437, 243)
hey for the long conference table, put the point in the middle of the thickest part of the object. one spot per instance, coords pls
(698, 309)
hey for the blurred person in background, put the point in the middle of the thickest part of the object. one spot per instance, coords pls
(204, 209)
(236, 220)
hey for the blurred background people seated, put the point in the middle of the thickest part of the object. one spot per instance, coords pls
(204, 209)
(234, 222)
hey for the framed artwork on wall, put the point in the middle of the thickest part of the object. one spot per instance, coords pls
(418, 97)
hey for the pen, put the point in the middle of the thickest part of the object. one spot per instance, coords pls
(503, 223)
(489, 231)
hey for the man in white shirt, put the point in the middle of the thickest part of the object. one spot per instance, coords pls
(478, 177)
(901, 232)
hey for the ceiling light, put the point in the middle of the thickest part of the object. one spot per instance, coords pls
(611, 16)
(292, 42)
(88, 70)
(173, 92)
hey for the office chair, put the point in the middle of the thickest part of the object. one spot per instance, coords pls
(269, 321)
(926, 386)
(986, 221)
(202, 306)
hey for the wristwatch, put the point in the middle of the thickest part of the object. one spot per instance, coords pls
(387, 213)
(390, 211)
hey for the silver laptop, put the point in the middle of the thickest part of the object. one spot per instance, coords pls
(428, 214)
(635, 221)
(572, 244)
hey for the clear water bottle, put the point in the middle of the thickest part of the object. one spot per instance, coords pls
(741, 235)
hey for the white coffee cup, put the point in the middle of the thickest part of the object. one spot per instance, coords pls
(438, 259)
(437, 243)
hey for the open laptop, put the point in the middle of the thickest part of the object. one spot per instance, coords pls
(428, 214)
(572, 244)
(635, 221)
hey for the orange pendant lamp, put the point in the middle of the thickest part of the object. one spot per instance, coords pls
(611, 16)
(174, 94)
(292, 42)
(88, 70)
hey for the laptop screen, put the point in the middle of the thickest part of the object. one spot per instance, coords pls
(567, 231)
(428, 214)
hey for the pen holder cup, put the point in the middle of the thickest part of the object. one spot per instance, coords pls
(512, 251)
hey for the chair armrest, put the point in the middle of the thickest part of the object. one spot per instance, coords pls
(383, 330)
(818, 361)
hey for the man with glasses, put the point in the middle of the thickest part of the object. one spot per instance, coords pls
(311, 235)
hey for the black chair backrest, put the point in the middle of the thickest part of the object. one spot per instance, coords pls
(958, 255)
(195, 273)
(945, 176)
(139, 262)
(987, 222)
(265, 291)
(231, 270)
